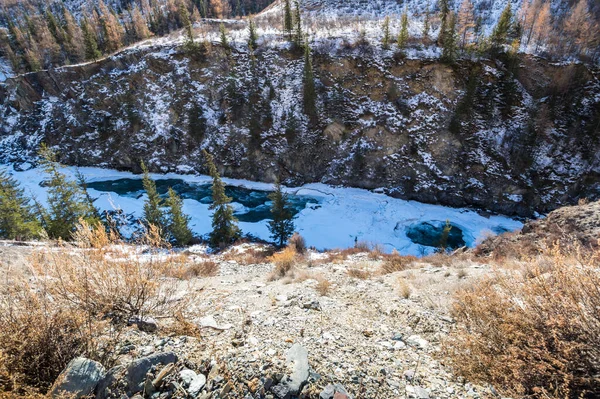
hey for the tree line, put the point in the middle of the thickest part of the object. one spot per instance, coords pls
(46, 35)
(69, 204)
(535, 27)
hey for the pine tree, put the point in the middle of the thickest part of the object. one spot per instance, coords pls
(444, 11)
(466, 23)
(500, 33)
(252, 35)
(298, 35)
(184, 17)
(282, 225)
(178, 228)
(67, 203)
(90, 43)
(449, 46)
(225, 230)
(140, 26)
(426, 23)
(111, 28)
(385, 41)
(403, 35)
(224, 40)
(288, 19)
(17, 219)
(309, 91)
(74, 41)
(153, 213)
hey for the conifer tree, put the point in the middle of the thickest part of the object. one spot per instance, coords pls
(252, 35)
(225, 230)
(74, 41)
(140, 27)
(444, 11)
(153, 213)
(17, 219)
(282, 224)
(387, 38)
(90, 43)
(67, 203)
(224, 40)
(298, 35)
(178, 228)
(500, 33)
(288, 19)
(184, 17)
(403, 35)
(449, 46)
(309, 91)
(111, 28)
(426, 23)
(466, 23)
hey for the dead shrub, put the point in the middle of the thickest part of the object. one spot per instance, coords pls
(297, 242)
(190, 270)
(533, 333)
(403, 288)
(395, 262)
(76, 302)
(359, 272)
(323, 286)
(284, 261)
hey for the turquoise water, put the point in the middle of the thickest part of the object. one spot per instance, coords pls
(255, 202)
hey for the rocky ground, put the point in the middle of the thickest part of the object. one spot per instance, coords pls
(316, 333)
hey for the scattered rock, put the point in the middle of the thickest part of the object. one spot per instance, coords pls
(130, 379)
(210, 322)
(146, 324)
(312, 305)
(335, 391)
(79, 379)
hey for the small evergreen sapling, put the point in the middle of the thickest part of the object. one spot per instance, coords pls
(179, 231)
(282, 225)
(225, 230)
(17, 218)
(153, 213)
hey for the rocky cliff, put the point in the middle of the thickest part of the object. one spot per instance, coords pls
(511, 136)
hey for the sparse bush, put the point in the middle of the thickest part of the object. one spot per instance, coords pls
(75, 302)
(190, 270)
(359, 272)
(298, 243)
(323, 286)
(396, 262)
(284, 262)
(403, 288)
(533, 333)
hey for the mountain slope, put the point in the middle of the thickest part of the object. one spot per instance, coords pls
(475, 134)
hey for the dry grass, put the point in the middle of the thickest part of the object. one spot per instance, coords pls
(297, 242)
(360, 271)
(76, 302)
(323, 286)
(285, 263)
(249, 256)
(403, 288)
(194, 269)
(395, 262)
(533, 331)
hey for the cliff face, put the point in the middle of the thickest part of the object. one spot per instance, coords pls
(512, 137)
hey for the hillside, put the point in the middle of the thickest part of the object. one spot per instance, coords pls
(512, 139)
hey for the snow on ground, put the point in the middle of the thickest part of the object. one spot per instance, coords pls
(342, 214)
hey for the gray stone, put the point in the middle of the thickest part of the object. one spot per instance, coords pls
(146, 324)
(78, 379)
(313, 305)
(330, 390)
(187, 376)
(281, 391)
(196, 385)
(297, 360)
(131, 378)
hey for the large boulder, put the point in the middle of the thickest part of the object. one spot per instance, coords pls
(130, 379)
(78, 379)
